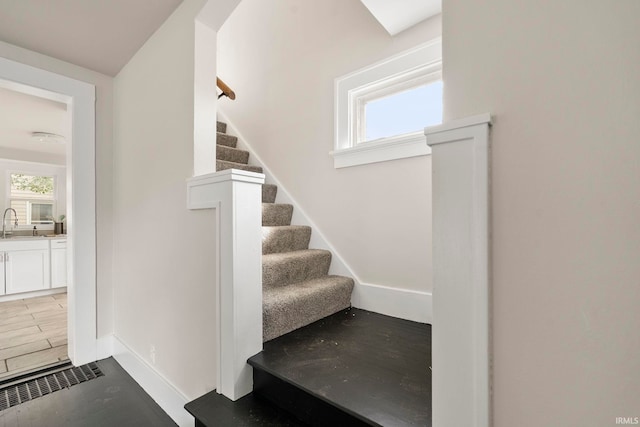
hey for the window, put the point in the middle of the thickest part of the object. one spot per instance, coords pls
(403, 111)
(33, 198)
(382, 110)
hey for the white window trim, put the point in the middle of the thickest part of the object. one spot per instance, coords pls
(368, 83)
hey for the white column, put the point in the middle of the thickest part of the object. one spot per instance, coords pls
(461, 330)
(237, 197)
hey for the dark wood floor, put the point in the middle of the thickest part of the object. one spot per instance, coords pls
(114, 400)
(375, 366)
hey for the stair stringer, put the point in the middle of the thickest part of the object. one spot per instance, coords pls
(318, 240)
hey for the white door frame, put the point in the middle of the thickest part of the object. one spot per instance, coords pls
(81, 195)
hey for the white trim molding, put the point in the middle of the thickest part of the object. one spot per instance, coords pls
(81, 195)
(413, 68)
(401, 303)
(161, 390)
(236, 195)
(461, 253)
(380, 151)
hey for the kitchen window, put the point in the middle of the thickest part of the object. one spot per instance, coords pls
(33, 197)
(381, 111)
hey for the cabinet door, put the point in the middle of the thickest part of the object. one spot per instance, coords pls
(58, 267)
(26, 270)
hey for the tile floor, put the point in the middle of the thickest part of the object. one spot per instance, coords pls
(33, 333)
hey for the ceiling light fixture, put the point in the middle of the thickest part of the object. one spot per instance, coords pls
(47, 137)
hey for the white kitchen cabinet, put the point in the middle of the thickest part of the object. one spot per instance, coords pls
(24, 265)
(58, 263)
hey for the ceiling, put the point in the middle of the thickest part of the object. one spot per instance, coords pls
(22, 114)
(399, 15)
(101, 35)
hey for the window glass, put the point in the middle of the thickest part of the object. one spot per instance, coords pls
(403, 112)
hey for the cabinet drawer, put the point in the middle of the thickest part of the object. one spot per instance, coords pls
(23, 245)
(58, 243)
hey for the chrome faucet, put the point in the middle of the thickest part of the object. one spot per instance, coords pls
(4, 217)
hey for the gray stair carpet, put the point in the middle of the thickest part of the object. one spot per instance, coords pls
(284, 238)
(274, 214)
(297, 287)
(222, 165)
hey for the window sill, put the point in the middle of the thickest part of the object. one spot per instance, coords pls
(381, 151)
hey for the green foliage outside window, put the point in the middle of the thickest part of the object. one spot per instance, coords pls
(35, 184)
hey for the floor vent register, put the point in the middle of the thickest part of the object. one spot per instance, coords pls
(15, 394)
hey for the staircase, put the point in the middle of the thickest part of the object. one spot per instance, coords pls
(323, 363)
(297, 287)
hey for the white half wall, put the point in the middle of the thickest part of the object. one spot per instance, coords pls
(562, 81)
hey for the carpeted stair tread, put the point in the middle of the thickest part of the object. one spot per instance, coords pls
(227, 140)
(286, 308)
(229, 154)
(281, 269)
(221, 127)
(274, 214)
(269, 192)
(285, 238)
(222, 165)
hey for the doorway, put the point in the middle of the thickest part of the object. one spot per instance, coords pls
(79, 97)
(33, 267)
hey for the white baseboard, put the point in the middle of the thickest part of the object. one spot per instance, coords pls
(32, 294)
(165, 394)
(401, 303)
(104, 347)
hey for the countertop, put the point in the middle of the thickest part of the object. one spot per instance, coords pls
(29, 238)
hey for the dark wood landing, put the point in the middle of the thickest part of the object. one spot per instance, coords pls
(372, 368)
(112, 400)
(213, 409)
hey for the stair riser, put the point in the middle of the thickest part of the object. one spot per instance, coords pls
(229, 154)
(307, 408)
(227, 140)
(223, 165)
(221, 127)
(285, 239)
(284, 272)
(276, 214)
(291, 307)
(269, 192)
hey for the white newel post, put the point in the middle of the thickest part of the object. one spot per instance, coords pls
(461, 328)
(237, 197)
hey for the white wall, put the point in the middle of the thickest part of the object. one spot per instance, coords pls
(281, 58)
(164, 254)
(562, 80)
(104, 130)
(32, 156)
